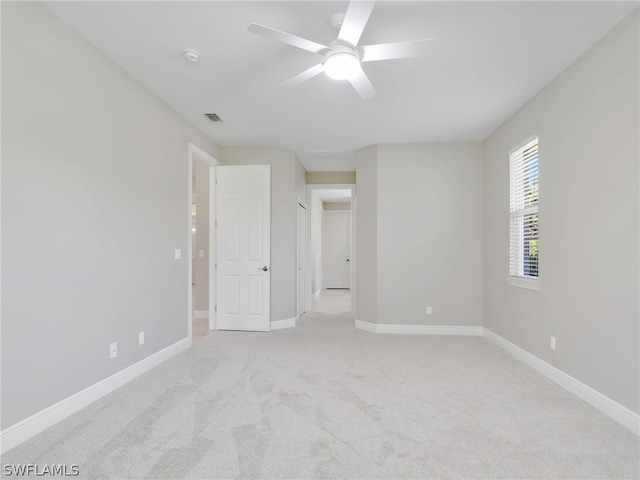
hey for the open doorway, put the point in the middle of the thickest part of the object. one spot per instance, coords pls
(331, 241)
(199, 257)
(201, 318)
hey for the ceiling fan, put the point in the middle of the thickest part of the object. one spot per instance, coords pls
(343, 57)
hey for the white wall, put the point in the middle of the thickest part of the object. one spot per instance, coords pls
(587, 120)
(285, 187)
(95, 200)
(430, 233)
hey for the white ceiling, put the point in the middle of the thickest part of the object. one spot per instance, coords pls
(334, 195)
(492, 57)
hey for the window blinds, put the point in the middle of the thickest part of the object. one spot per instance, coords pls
(524, 210)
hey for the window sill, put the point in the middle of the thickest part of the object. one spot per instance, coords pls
(522, 282)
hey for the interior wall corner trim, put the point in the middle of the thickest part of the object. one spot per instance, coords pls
(419, 329)
(285, 323)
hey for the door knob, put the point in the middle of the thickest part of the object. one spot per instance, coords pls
(265, 268)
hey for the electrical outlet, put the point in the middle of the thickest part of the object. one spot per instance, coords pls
(113, 350)
(178, 254)
(552, 343)
(429, 310)
(140, 338)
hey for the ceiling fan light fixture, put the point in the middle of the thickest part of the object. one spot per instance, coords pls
(342, 63)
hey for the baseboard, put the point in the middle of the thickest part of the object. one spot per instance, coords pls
(201, 314)
(613, 409)
(286, 323)
(38, 422)
(418, 329)
(366, 326)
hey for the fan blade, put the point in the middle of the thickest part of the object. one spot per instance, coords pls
(287, 38)
(354, 22)
(389, 51)
(363, 85)
(304, 76)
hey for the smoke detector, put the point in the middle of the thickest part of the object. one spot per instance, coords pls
(191, 55)
(336, 21)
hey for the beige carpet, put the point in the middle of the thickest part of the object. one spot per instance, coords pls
(333, 300)
(326, 401)
(199, 329)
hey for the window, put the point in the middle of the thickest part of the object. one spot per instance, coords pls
(524, 243)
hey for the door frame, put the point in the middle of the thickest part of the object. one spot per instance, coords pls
(323, 280)
(333, 186)
(307, 285)
(197, 152)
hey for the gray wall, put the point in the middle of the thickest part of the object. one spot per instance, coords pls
(285, 188)
(301, 179)
(430, 233)
(330, 178)
(315, 210)
(366, 308)
(94, 202)
(336, 205)
(587, 120)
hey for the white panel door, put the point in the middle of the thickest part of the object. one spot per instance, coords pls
(302, 257)
(336, 243)
(244, 246)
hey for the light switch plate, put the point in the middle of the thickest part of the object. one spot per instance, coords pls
(178, 254)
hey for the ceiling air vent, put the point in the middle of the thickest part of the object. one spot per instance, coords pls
(213, 117)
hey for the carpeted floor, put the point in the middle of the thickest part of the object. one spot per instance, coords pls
(326, 401)
(333, 300)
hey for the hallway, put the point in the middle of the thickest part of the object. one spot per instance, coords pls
(199, 326)
(333, 300)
